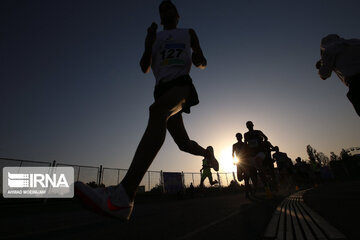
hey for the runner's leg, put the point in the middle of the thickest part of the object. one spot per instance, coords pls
(254, 178)
(166, 106)
(176, 128)
(246, 180)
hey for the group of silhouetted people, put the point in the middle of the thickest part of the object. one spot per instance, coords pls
(255, 160)
(170, 54)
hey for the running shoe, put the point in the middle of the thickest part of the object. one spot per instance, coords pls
(214, 182)
(212, 160)
(111, 201)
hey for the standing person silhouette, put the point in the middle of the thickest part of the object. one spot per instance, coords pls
(343, 57)
(170, 54)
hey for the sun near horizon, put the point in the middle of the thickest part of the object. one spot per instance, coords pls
(226, 161)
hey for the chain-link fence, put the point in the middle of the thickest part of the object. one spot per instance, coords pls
(85, 174)
(113, 176)
(10, 162)
(224, 179)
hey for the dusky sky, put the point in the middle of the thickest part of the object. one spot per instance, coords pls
(72, 89)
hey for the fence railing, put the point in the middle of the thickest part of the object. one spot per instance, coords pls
(113, 176)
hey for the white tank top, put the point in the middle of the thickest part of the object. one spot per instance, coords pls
(171, 55)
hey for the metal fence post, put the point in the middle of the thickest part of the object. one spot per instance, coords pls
(162, 181)
(78, 176)
(161, 178)
(218, 176)
(149, 180)
(192, 174)
(183, 179)
(100, 175)
(227, 181)
(234, 176)
(118, 180)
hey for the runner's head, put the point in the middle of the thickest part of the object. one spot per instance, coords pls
(276, 148)
(168, 13)
(239, 136)
(328, 40)
(249, 125)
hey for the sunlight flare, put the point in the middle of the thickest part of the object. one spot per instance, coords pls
(226, 161)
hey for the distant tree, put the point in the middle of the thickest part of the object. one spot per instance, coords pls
(344, 155)
(334, 157)
(311, 153)
(353, 151)
(322, 158)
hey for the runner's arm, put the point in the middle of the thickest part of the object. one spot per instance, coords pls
(198, 58)
(263, 135)
(145, 61)
(246, 140)
(327, 62)
(271, 147)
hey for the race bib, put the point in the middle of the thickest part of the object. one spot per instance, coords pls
(172, 54)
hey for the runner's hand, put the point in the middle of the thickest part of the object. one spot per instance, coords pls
(318, 64)
(198, 59)
(151, 35)
(152, 29)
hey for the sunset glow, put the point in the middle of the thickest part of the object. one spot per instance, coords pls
(226, 161)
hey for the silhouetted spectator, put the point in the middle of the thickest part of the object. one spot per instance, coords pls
(192, 190)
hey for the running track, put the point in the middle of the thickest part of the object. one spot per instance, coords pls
(229, 216)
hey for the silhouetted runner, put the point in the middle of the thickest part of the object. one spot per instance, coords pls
(284, 166)
(254, 140)
(301, 170)
(343, 57)
(244, 166)
(239, 151)
(268, 164)
(170, 54)
(206, 171)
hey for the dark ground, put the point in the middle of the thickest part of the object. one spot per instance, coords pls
(206, 216)
(210, 216)
(339, 204)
